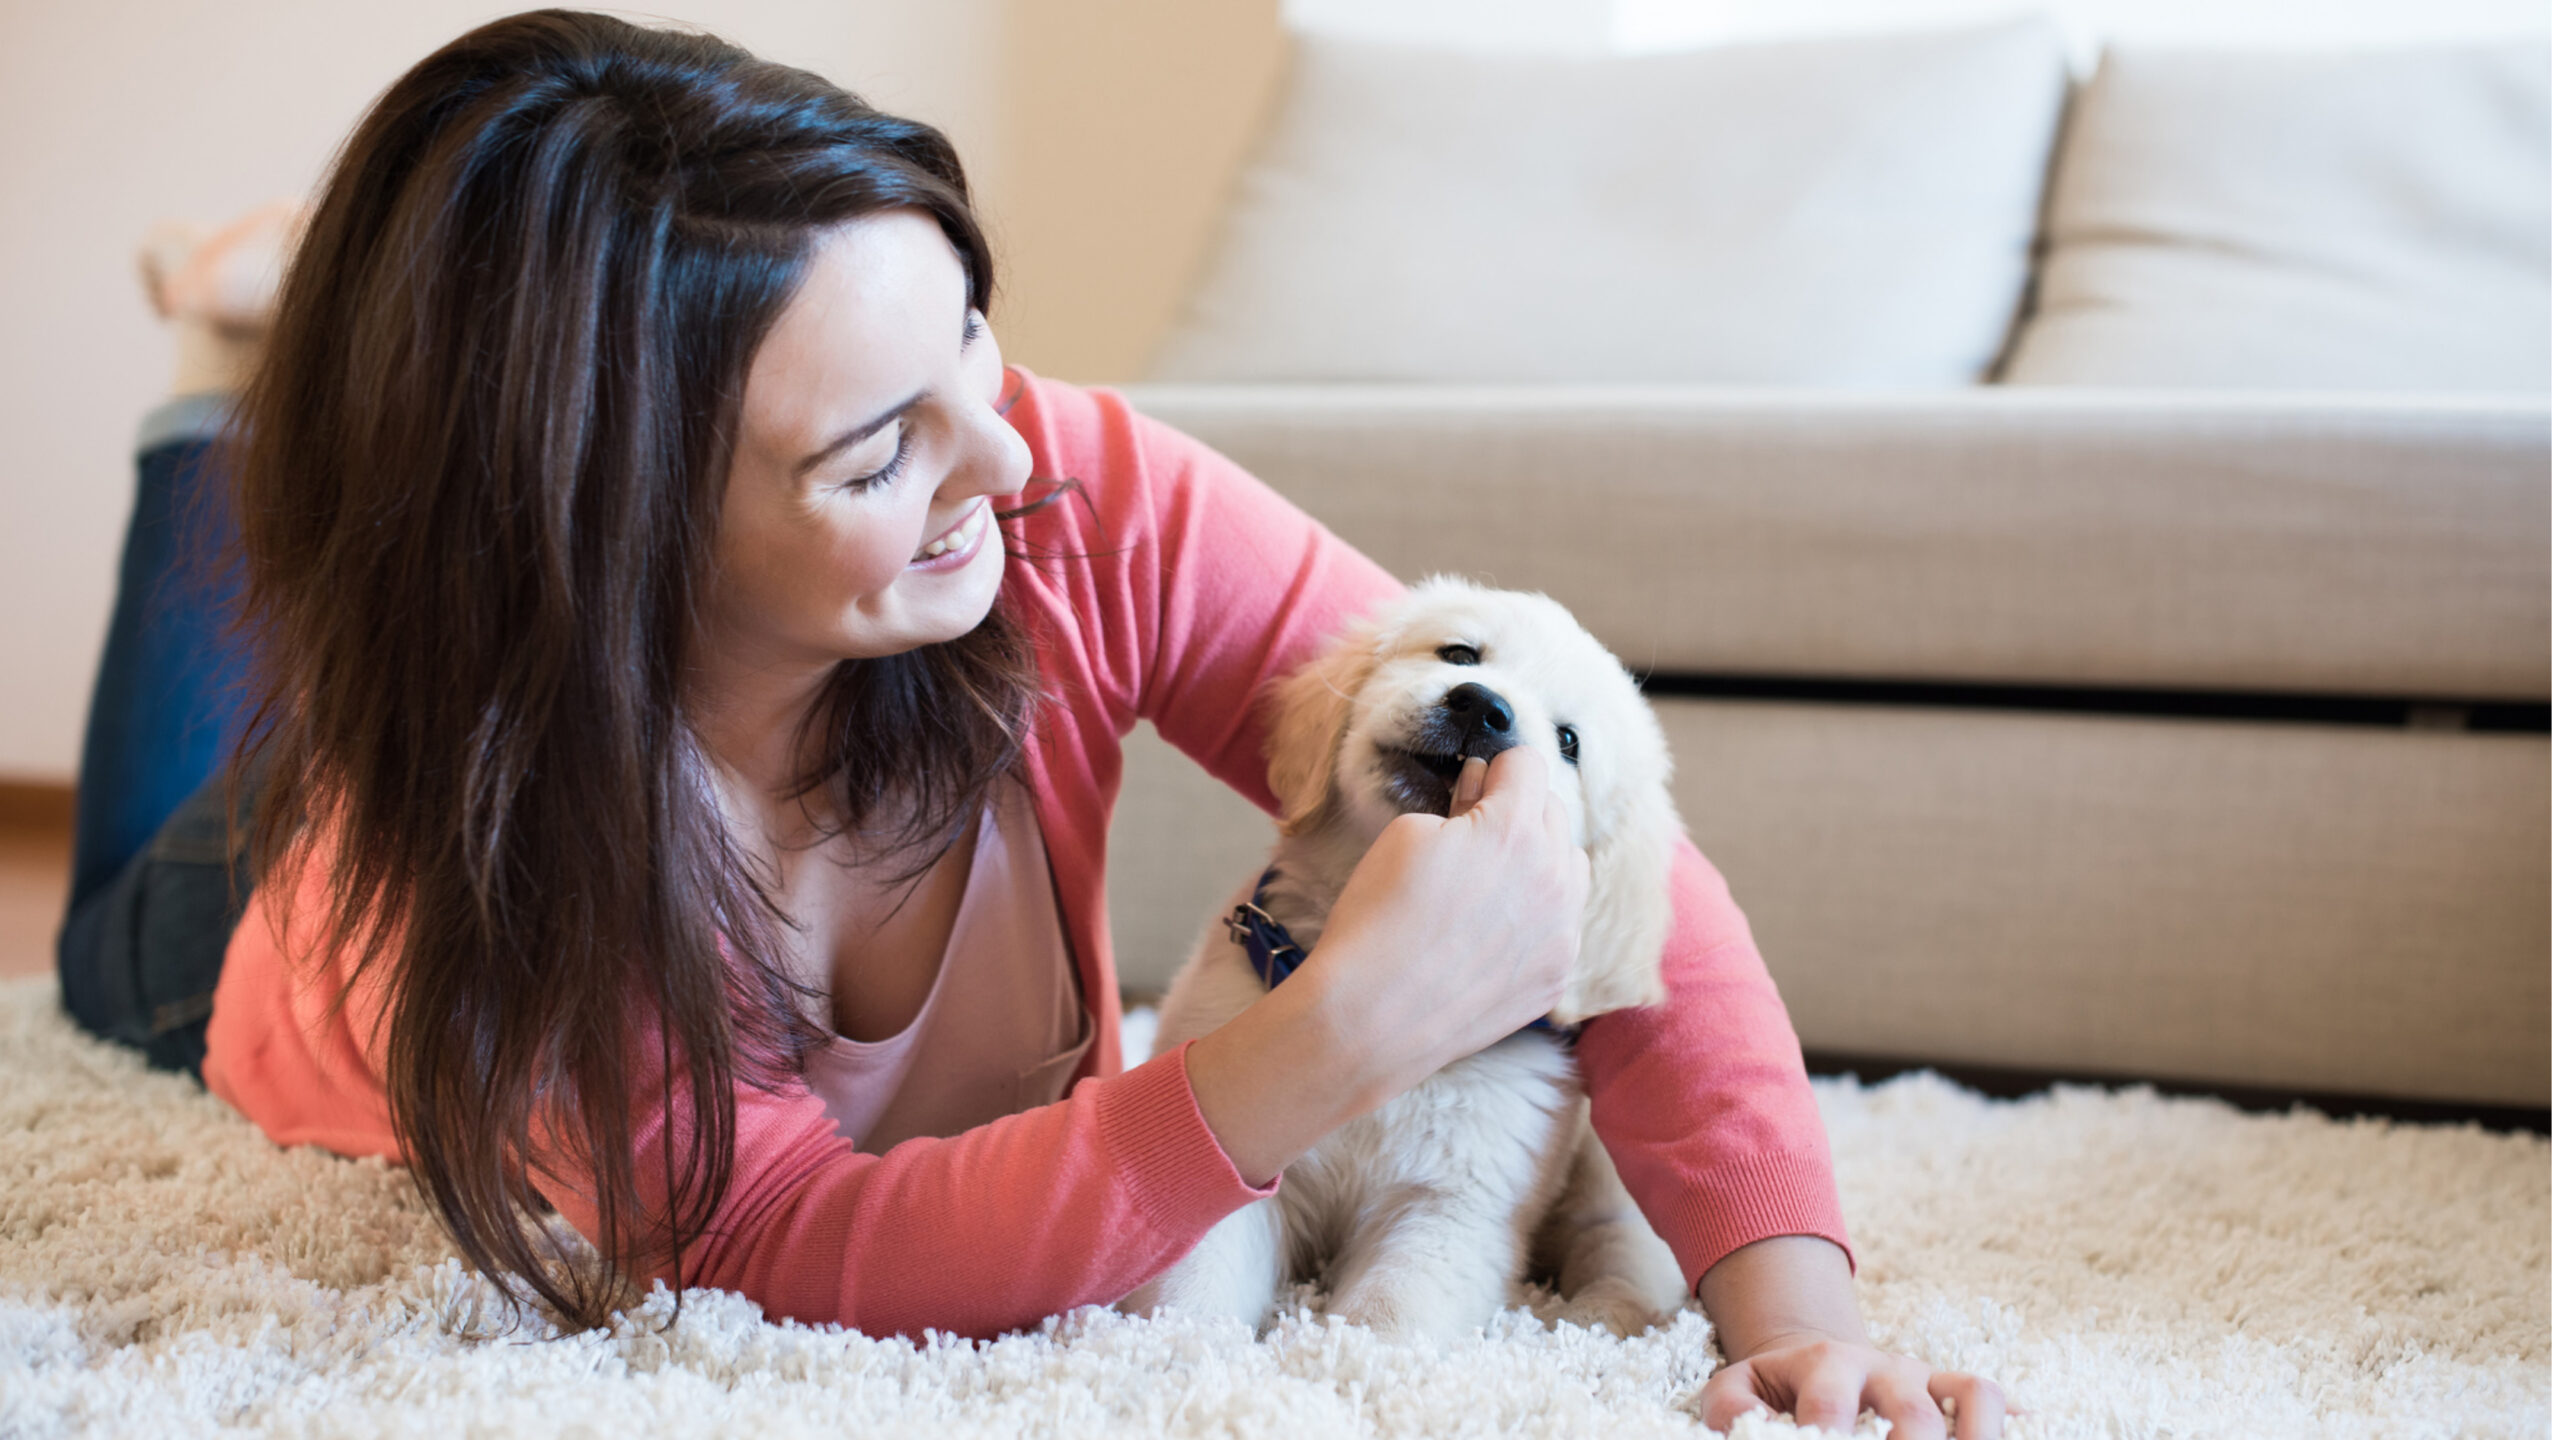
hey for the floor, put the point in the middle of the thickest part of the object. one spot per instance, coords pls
(35, 871)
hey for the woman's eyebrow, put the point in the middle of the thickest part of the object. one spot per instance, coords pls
(857, 434)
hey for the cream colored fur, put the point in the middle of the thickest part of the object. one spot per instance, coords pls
(1420, 1216)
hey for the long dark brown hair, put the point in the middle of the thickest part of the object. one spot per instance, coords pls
(480, 476)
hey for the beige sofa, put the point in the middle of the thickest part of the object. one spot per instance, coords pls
(2191, 730)
(1939, 622)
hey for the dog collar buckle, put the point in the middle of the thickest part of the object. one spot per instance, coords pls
(1266, 941)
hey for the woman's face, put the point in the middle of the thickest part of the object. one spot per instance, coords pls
(858, 519)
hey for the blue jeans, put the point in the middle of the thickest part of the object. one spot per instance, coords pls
(156, 884)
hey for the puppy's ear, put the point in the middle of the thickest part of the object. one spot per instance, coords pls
(1628, 920)
(1310, 708)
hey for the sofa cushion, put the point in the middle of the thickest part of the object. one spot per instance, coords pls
(2301, 219)
(1846, 212)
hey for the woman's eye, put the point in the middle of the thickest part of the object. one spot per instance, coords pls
(1460, 655)
(886, 473)
(1569, 743)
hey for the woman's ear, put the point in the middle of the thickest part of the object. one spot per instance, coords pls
(1310, 708)
(1628, 919)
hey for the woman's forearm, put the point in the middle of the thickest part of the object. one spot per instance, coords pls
(1784, 1286)
(1276, 1079)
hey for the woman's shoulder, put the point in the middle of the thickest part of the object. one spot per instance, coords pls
(1127, 469)
(1102, 479)
(1166, 570)
(1065, 421)
(1122, 484)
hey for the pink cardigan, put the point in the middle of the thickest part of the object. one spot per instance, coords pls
(1196, 585)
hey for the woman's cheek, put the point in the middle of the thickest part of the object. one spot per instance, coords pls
(879, 541)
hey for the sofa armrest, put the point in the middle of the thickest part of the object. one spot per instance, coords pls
(2310, 544)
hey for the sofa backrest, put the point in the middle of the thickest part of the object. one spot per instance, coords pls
(2334, 220)
(1852, 212)
(1870, 211)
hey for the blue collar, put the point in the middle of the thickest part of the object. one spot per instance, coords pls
(1276, 956)
(1266, 941)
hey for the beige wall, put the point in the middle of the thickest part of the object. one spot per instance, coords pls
(1127, 120)
(1090, 125)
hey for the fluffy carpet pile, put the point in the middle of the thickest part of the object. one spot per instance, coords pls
(2124, 1264)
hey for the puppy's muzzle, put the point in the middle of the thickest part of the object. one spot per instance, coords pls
(1469, 723)
(1478, 721)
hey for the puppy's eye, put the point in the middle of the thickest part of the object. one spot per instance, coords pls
(1460, 655)
(1569, 742)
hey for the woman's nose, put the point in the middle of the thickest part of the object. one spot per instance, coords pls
(994, 458)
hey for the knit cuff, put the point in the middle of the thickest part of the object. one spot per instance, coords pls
(1166, 1153)
(1788, 1192)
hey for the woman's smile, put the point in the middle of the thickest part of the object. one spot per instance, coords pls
(958, 545)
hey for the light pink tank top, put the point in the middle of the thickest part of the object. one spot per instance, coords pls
(1005, 1023)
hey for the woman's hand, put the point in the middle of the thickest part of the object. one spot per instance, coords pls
(1788, 1319)
(1450, 934)
(1453, 933)
(1821, 1380)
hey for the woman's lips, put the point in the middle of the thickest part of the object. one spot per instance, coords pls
(956, 546)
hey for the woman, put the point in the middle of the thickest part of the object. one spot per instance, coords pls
(687, 752)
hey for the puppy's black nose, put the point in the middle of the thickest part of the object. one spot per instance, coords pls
(1478, 713)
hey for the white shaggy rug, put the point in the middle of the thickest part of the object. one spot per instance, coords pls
(2124, 1265)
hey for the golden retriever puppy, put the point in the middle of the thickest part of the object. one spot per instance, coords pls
(1418, 1217)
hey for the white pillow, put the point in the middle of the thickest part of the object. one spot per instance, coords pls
(1843, 212)
(2347, 220)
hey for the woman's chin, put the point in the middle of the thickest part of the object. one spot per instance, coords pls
(983, 578)
(945, 604)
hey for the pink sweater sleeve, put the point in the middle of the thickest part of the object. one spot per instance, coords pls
(990, 1230)
(1702, 1101)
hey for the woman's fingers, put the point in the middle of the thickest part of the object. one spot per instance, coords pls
(1980, 1407)
(1907, 1406)
(1517, 777)
(1827, 1394)
(1517, 794)
(1469, 789)
(1516, 785)
(1828, 1383)
(1732, 1393)
(1803, 1385)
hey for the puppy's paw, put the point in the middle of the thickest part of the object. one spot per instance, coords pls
(1379, 1311)
(1415, 1314)
(1614, 1305)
